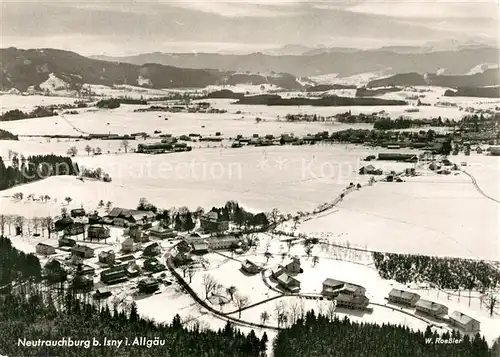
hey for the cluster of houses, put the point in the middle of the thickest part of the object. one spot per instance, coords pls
(434, 310)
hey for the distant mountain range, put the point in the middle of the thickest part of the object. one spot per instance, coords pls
(22, 69)
(318, 61)
(35, 68)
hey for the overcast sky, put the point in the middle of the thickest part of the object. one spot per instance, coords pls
(123, 27)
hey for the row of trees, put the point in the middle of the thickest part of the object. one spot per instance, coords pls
(17, 224)
(33, 168)
(320, 336)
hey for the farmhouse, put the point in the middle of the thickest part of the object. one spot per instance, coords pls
(85, 270)
(66, 242)
(153, 265)
(107, 257)
(82, 251)
(403, 297)
(45, 249)
(98, 232)
(62, 223)
(287, 282)
(77, 212)
(291, 265)
(148, 286)
(250, 267)
(74, 229)
(114, 275)
(161, 233)
(132, 216)
(211, 222)
(431, 308)
(369, 170)
(464, 322)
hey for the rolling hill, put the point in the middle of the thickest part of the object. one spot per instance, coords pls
(490, 77)
(21, 69)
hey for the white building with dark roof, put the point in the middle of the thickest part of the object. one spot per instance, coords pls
(464, 322)
(431, 308)
(403, 297)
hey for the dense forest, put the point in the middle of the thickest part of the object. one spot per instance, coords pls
(15, 265)
(333, 101)
(446, 273)
(327, 87)
(364, 92)
(483, 92)
(38, 112)
(7, 135)
(317, 336)
(34, 168)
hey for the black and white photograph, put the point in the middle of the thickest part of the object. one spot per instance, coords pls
(250, 178)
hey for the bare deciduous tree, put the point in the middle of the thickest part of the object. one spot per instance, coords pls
(330, 310)
(264, 317)
(230, 291)
(240, 301)
(190, 273)
(315, 260)
(294, 311)
(36, 224)
(125, 145)
(209, 284)
(491, 302)
(47, 223)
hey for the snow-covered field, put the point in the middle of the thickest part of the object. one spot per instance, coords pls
(29, 102)
(124, 121)
(429, 214)
(291, 178)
